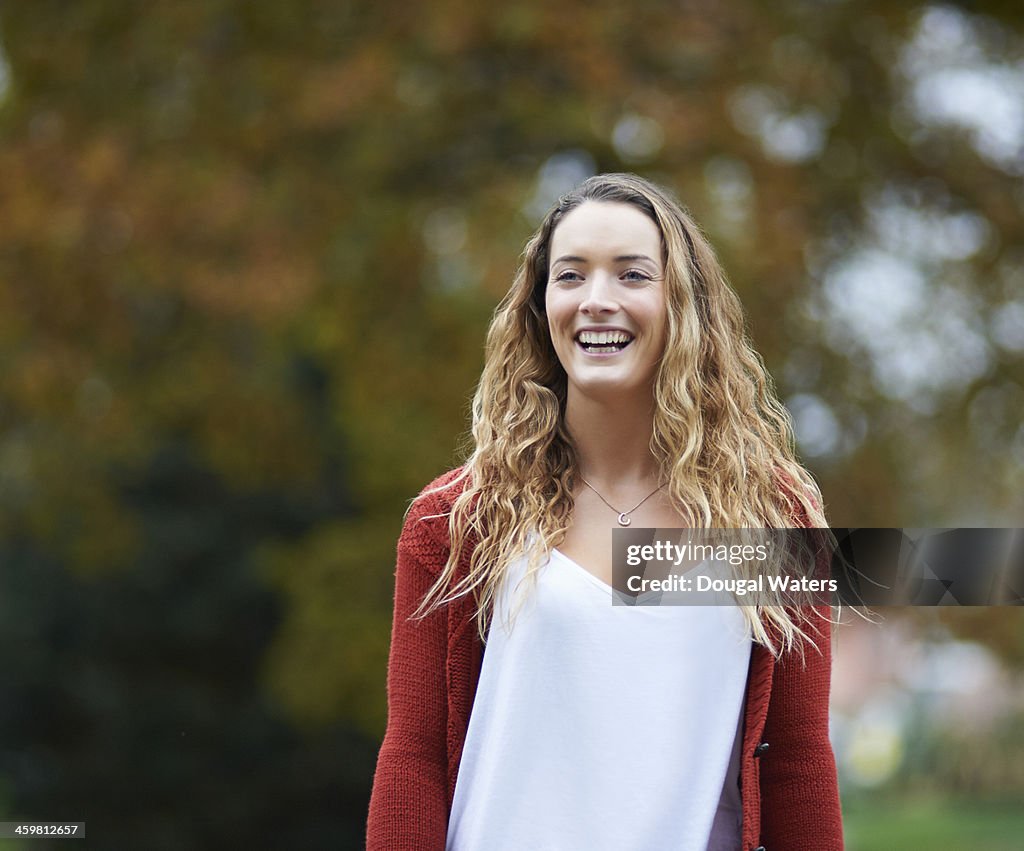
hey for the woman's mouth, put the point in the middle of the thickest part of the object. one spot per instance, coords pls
(603, 342)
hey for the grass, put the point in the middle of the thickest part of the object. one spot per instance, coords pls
(934, 825)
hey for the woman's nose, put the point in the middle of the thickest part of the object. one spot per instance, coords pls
(599, 296)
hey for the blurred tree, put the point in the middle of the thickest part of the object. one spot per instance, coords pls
(133, 700)
(269, 236)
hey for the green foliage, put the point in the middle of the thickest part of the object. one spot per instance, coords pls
(330, 655)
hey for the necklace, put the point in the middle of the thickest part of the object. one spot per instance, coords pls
(623, 515)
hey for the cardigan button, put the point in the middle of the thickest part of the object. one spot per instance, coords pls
(758, 751)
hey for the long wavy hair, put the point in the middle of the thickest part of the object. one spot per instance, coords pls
(723, 441)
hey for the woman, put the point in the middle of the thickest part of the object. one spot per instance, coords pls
(618, 389)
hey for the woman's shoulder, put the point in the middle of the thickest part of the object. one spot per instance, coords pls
(429, 512)
(441, 493)
(801, 498)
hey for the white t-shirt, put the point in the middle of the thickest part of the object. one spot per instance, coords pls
(603, 727)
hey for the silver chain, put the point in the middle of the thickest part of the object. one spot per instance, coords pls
(623, 515)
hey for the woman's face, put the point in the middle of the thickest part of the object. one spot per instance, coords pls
(605, 299)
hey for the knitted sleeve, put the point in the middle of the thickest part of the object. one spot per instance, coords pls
(408, 805)
(799, 789)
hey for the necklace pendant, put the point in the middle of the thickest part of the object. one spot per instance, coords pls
(623, 515)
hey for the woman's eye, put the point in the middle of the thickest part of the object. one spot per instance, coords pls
(569, 276)
(635, 275)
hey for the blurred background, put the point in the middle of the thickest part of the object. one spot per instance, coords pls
(248, 252)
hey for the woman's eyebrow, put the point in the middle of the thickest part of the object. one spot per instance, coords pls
(622, 258)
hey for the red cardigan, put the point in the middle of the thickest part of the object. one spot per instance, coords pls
(787, 771)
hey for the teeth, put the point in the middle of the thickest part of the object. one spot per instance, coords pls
(598, 338)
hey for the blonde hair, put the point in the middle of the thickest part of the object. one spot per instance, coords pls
(723, 441)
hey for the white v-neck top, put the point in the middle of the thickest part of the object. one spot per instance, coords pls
(603, 727)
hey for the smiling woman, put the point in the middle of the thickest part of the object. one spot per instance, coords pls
(605, 302)
(618, 388)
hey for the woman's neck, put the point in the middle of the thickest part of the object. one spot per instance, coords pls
(613, 443)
